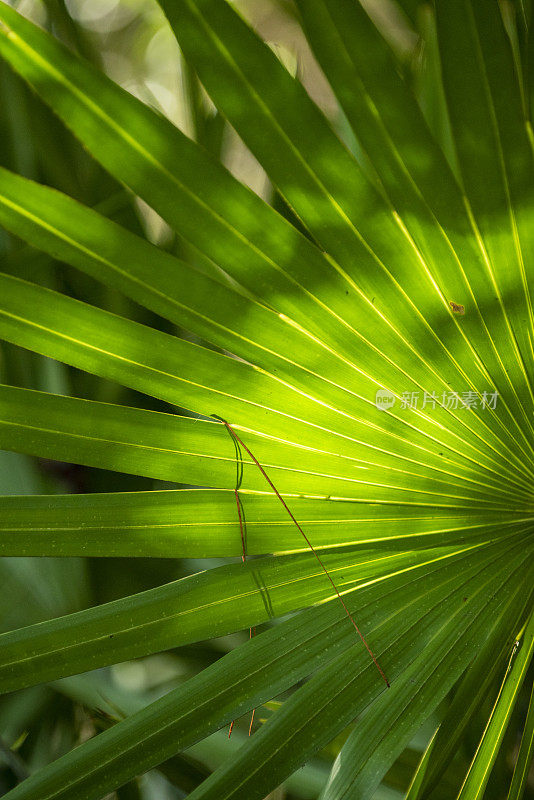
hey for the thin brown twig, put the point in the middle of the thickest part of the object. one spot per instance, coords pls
(312, 548)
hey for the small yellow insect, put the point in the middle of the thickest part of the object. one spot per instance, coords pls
(456, 307)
